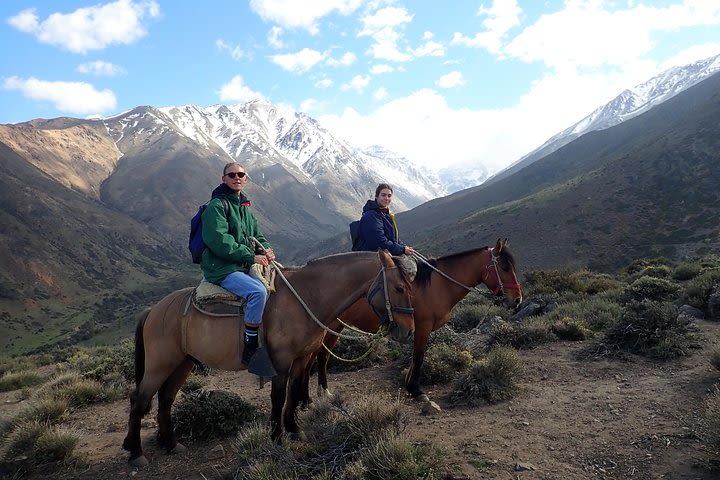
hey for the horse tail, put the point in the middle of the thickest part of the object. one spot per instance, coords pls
(140, 348)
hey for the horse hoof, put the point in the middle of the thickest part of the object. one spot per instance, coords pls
(422, 398)
(297, 436)
(178, 448)
(139, 462)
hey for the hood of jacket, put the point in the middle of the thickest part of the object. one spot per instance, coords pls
(223, 190)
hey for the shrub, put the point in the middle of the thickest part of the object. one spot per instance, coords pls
(553, 281)
(657, 271)
(211, 414)
(15, 381)
(715, 358)
(194, 383)
(492, 380)
(647, 328)
(100, 362)
(466, 316)
(79, 391)
(443, 363)
(362, 353)
(651, 288)
(397, 459)
(640, 264)
(698, 290)
(16, 364)
(571, 329)
(594, 312)
(687, 270)
(521, 336)
(55, 444)
(711, 413)
(602, 284)
(21, 439)
(45, 410)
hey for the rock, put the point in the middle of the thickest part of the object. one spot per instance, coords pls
(430, 408)
(550, 307)
(528, 310)
(524, 466)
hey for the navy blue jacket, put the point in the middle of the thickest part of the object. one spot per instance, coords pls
(379, 230)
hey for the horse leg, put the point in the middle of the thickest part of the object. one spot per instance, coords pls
(412, 380)
(305, 399)
(166, 396)
(139, 406)
(295, 387)
(277, 398)
(322, 361)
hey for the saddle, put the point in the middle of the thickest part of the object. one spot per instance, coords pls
(213, 299)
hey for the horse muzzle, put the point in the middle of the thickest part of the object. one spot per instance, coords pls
(400, 334)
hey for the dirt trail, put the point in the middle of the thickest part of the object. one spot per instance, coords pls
(608, 419)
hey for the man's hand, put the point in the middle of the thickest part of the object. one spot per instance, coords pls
(269, 254)
(262, 260)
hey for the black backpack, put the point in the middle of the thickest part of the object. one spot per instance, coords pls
(195, 243)
(355, 236)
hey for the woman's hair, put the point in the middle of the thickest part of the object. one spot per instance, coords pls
(230, 164)
(382, 187)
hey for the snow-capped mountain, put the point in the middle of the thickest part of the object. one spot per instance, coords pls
(627, 105)
(262, 134)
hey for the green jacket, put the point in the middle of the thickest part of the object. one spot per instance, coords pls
(230, 247)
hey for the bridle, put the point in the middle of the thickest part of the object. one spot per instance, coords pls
(386, 317)
(495, 294)
(493, 269)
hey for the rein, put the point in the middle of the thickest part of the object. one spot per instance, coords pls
(493, 295)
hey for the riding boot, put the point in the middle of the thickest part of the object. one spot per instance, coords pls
(251, 344)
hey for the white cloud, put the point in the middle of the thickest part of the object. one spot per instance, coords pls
(236, 91)
(324, 83)
(308, 105)
(101, 68)
(294, 14)
(381, 68)
(235, 51)
(299, 62)
(273, 37)
(380, 94)
(451, 80)
(347, 59)
(381, 26)
(430, 49)
(502, 16)
(358, 83)
(89, 28)
(73, 97)
(692, 54)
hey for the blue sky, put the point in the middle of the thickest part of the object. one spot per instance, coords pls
(443, 83)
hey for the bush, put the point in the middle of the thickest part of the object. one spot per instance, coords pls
(443, 363)
(594, 312)
(55, 444)
(17, 364)
(492, 380)
(647, 328)
(657, 271)
(715, 358)
(698, 290)
(466, 316)
(687, 270)
(711, 412)
(98, 363)
(194, 383)
(79, 391)
(15, 381)
(553, 281)
(362, 353)
(211, 414)
(571, 329)
(521, 336)
(651, 288)
(397, 459)
(640, 264)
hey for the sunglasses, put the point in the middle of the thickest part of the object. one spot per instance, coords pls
(235, 174)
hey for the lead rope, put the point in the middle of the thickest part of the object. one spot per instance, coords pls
(419, 256)
(274, 265)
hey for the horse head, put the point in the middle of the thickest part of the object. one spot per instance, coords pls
(500, 277)
(390, 298)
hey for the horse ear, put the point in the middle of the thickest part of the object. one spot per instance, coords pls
(499, 245)
(385, 258)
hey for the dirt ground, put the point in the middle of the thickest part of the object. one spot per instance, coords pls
(608, 419)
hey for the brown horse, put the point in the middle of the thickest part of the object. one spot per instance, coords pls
(172, 335)
(433, 298)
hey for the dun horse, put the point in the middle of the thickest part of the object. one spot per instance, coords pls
(433, 299)
(171, 335)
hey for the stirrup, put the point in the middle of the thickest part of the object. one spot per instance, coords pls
(260, 364)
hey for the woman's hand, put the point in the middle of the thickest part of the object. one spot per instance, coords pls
(409, 250)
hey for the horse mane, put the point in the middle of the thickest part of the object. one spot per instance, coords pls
(424, 271)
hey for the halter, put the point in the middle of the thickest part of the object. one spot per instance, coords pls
(489, 270)
(386, 318)
(493, 268)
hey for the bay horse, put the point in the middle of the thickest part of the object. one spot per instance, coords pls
(433, 298)
(171, 336)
